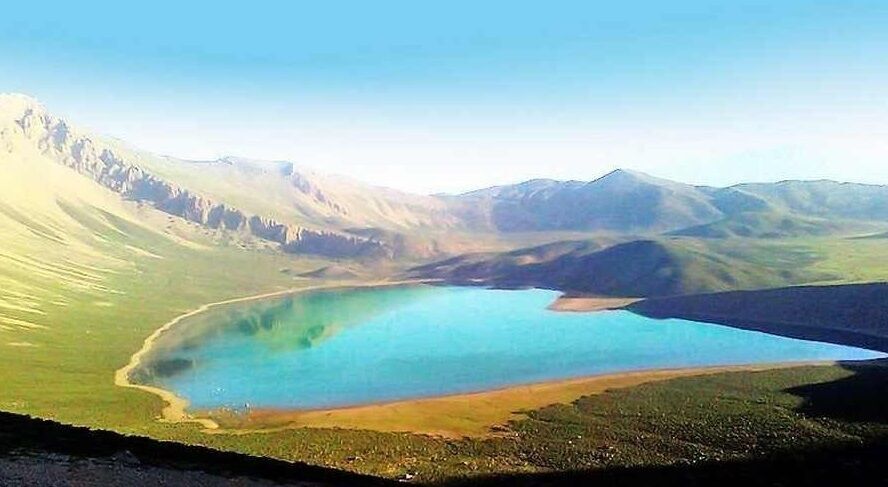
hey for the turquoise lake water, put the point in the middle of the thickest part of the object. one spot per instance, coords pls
(354, 346)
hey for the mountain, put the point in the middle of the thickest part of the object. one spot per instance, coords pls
(639, 268)
(61, 235)
(621, 201)
(297, 210)
(297, 195)
(29, 130)
(626, 201)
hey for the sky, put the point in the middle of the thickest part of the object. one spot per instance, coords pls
(451, 96)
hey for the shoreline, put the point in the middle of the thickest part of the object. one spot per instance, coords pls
(587, 304)
(449, 415)
(175, 408)
(473, 414)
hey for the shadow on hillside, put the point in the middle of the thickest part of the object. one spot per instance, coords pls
(861, 397)
(24, 436)
(857, 465)
(853, 314)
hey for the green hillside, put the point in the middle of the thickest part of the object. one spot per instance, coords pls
(636, 268)
(774, 225)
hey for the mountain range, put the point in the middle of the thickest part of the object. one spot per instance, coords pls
(59, 181)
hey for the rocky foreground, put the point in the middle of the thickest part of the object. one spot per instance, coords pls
(35, 452)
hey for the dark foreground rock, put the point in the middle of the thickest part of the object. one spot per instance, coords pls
(36, 452)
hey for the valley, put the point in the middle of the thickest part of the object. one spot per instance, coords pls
(101, 244)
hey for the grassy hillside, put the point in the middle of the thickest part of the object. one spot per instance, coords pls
(636, 268)
(774, 225)
(788, 418)
(799, 426)
(85, 276)
(826, 199)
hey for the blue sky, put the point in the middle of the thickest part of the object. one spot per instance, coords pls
(449, 96)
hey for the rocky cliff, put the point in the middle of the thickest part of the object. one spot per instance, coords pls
(121, 173)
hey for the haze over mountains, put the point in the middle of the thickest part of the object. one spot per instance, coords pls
(53, 170)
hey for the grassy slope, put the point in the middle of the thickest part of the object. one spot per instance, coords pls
(637, 268)
(66, 372)
(673, 266)
(774, 224)
(684, 421)
(84, 279)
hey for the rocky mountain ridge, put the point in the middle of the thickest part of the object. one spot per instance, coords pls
(303, 211)
(112, 169)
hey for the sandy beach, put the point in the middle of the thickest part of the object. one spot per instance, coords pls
(472, 414)
(583, 304)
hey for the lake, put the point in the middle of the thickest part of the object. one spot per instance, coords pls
(329, 348)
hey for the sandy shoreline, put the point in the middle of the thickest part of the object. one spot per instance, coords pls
(455, 415)
(470, 414)
(584, 304)
(175, 409)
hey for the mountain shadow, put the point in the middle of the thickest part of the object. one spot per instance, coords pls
(852, 314)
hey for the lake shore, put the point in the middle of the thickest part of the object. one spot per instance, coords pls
(475, 414)
(854, 315)
(175, 408)
(466, 414)
(585, 304)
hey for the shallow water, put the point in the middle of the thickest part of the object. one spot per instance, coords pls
(351, 346)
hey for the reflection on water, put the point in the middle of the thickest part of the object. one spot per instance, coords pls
(278, 325)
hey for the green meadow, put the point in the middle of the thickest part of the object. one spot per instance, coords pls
(63, 369)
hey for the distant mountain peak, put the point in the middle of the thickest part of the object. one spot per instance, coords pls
(629, 175)
(625, 172)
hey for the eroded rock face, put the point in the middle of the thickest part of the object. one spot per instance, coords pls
(113, 170)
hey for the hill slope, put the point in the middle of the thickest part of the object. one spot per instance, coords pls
(825, 199)
(636, 268)
(773, 225)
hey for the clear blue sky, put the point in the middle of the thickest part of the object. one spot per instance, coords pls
(448, 96)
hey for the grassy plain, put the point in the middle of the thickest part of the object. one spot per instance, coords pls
(63, 369)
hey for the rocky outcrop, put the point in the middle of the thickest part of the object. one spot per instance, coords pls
(118, 173)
